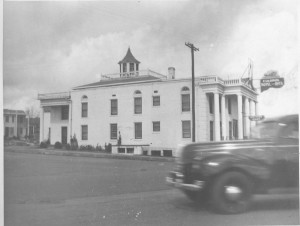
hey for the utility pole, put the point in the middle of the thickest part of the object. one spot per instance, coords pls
(193, 49)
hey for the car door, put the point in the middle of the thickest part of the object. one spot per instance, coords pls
(286, 150)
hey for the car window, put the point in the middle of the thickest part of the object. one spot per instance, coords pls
(273, 129)
(265, 130)
(289, 130)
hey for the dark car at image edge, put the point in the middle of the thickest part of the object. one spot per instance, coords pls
(226, 174)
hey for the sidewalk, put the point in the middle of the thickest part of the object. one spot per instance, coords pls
(61, 152)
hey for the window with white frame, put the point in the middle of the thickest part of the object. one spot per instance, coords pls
(84, 106)
(186, 129)
(131, 67)
(156, 126)
(114, 107)
(84, 132)
(185, 99)
(137, 102)
(64, 112)
(113, 131)
(138, 130)
(156, 100)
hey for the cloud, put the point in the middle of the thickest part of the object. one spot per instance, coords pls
(54, 46)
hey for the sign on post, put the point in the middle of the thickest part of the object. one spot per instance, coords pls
(271, 83)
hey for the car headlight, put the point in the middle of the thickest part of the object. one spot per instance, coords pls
(212, 163)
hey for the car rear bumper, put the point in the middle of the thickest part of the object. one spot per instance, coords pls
(175, 179)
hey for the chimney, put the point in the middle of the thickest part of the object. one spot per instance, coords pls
(171, 73)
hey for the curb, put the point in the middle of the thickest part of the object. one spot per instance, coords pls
(34, 150)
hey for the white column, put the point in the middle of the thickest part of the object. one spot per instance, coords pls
(240, 117)
(41, 124)
(70, 122)
(256, 108)
(252, 113)
(16, 129)
(256, 111)
(28, 125)
(217, 117)
(247, 121)
(224, 122)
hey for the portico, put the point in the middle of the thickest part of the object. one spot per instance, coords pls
(55, 117)
(230, 105)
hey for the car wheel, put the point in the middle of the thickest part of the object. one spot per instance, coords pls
(231, 193)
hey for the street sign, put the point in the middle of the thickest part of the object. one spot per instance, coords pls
(256, 117)
(266, 83)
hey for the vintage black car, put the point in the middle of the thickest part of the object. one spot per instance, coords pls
(226, 174)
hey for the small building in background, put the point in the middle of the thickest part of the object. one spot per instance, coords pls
(14, 123)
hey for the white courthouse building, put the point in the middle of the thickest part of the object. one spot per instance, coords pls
(150, 111)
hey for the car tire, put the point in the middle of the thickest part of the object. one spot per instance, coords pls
(231, 193)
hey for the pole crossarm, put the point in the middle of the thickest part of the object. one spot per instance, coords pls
(191, 46)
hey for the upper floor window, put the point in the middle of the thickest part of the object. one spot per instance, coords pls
(185, 99)
(84, 106)
(137, 105)
(84, 132)
(211, 104)
(64, 112)
(114, 107)
(186, 129)
(137, 102)
(156, 126)
(6, 118)
(156, 100)
(84, 110)
(131, 66)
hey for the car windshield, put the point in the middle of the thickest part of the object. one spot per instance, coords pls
(275, 129)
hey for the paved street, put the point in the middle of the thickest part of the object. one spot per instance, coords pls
(63, 190)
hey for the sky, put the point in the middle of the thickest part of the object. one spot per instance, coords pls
(52, 46)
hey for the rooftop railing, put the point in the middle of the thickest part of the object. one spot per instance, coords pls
(227, 82)
(133, 74)
(211, 79)
(61, 95)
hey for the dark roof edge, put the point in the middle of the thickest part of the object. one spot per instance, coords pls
(115, 84)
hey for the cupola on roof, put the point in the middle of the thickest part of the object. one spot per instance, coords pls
(129, 58)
